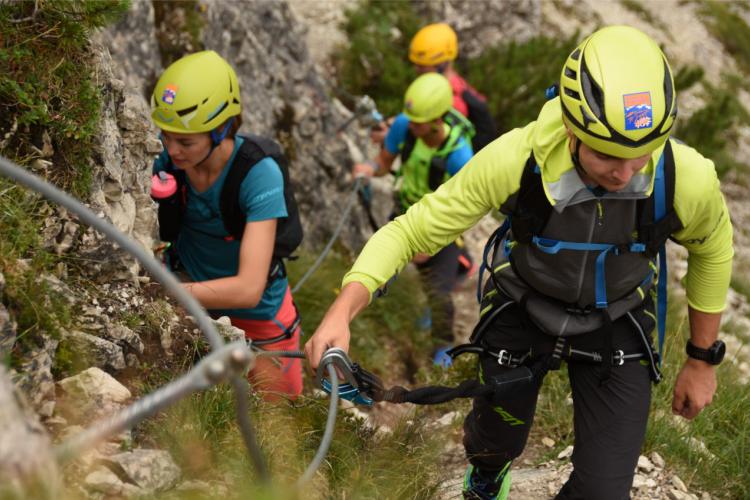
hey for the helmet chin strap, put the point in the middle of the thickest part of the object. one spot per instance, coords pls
(575, 156)
(598, 190)
(216, 138)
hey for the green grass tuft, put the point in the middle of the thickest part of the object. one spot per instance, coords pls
(49, 100)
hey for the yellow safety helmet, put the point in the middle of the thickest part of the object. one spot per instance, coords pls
(196, 93)
(617, 93)
(428, 97)
(434, 44)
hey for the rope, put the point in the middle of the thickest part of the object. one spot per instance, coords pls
(279, 354)
(139, 410)
(339, 227)
(325, 443)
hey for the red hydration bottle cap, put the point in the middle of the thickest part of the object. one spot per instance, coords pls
(163, 185)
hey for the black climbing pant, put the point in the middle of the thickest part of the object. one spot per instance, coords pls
(609, 419)
(439, 276)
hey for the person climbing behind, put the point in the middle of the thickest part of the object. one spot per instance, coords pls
(594, 184)
(227, 208)
(433, 49)
(433, 142)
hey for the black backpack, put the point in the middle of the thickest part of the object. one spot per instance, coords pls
(254, 148)
(481, 117)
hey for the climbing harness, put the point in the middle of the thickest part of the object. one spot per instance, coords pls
(654, 226)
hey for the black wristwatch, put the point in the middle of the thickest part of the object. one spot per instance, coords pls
(713, 355)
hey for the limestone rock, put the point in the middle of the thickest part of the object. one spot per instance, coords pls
(25, 448)
(566, 453)
(102, 352)
(91, 394)
(151, 470)
(105, 481)
(126, 336)
(7, 332)
(138, 59)
(657, 460)
(645, 464)
(35, 377)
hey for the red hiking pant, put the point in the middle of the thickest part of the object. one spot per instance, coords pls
(275, 377)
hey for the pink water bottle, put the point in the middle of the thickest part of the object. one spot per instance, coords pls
(163, 186)
(164, 191)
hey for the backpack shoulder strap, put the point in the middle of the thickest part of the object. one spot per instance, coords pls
(656, 215)
(408, 146)
(250, 153)
(532, 209)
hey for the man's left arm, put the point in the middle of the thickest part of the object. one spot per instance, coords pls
(696, 383)
(707, 235)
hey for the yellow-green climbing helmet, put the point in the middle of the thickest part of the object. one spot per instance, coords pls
(428, 97)
(434, 44)
(196, 93)
(617, 93)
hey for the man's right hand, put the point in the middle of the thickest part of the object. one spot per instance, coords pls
(363, 170)
(332, 332)
(378, 133)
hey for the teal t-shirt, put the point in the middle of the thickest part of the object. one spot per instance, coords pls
(201, 247)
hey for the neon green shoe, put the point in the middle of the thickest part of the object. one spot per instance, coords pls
(477, 486)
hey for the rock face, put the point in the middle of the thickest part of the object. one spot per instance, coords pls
(7, 325)
(138, 59)
(484, 23)
(284, 96)
(27, 467)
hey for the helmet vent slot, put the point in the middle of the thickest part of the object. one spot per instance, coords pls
(576, 54)
(217, 112)
(570, 73)
(187, 111)
(572, 93)
(592, 93)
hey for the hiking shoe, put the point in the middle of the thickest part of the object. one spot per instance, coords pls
(493, 485)
(441, 358)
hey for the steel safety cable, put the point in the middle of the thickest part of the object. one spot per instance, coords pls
(344, 216)
(87, 216)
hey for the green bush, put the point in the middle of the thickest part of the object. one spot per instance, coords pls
(514, 76)
(47, 85)
(725, 23)
(375, 61)
(712, 130)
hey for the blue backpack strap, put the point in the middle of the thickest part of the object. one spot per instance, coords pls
(491, 246)
(660, 210)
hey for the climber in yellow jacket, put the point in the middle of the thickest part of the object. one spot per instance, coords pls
(592, 189)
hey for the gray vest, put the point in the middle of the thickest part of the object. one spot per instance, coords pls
(559, 289)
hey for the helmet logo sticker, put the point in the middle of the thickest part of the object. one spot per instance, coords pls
(638, 111)
(170, 92)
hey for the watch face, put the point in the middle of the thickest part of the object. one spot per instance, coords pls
(717, 350)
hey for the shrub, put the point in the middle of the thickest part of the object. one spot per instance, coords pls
(47, 86)
(375, 61)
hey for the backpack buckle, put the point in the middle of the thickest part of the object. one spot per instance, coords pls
(618, 358)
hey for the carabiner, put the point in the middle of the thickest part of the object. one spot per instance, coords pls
(350, 389)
